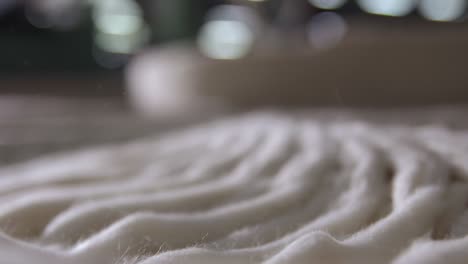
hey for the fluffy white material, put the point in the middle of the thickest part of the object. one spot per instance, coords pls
(260, 189)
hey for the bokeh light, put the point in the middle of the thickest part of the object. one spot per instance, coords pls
(225, 39)
(442, 10)
(229, 32)
(120, 29)
(388, 7)
(328, 4)
(326, 30)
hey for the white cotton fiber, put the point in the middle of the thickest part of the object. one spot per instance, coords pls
(263, 188)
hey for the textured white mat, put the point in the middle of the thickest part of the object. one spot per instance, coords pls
(264, 188)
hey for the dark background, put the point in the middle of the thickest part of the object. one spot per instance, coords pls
(60, 90)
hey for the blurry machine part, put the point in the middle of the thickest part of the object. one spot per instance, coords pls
(367, 68)
(161, 83)
(251, 53)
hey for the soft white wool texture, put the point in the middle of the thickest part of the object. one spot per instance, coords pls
(259, 189)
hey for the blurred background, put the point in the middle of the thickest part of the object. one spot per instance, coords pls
(81, 72)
